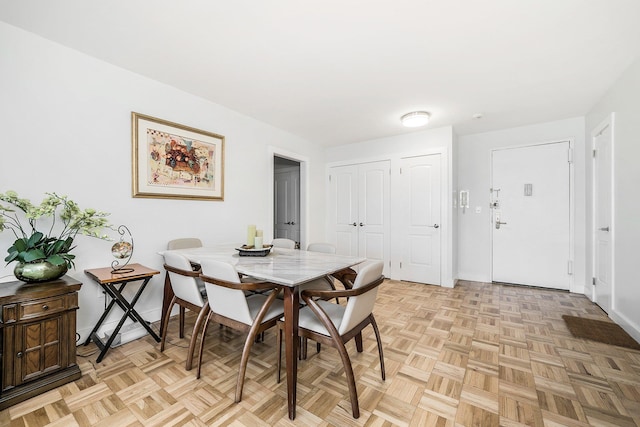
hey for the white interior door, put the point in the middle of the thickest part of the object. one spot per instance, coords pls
(373, 210)
(343, 209)
(531, 225)
(603, 202)
(358, 206)
(287, 204)
(421, 219)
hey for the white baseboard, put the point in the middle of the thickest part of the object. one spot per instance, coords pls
(130, 330)
(630, 327)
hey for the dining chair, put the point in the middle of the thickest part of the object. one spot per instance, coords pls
(345, 276)
(184, 243)
(230, 307)
(187, 295)
(283, 243)
(334, 324)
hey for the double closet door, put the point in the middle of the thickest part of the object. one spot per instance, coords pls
(402, 227)
(359, 210)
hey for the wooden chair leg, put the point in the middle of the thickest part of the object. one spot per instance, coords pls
(279, 345)
(358, 339)
(182, 312)
(204, 334)
(377, 332)
(165, 323)
(254, 331)
(204, 312)
(351, 380)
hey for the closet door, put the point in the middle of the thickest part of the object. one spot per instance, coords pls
(343, 209)
(359, 210)
(373, 210)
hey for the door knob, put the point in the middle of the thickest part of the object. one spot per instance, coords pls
(434, 226)
(605, 229)
(354, 224)
(361, 224)
(293, 223)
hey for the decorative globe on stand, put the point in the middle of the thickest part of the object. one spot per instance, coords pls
(122, 250)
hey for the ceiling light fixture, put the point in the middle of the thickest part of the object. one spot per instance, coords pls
(415, 119)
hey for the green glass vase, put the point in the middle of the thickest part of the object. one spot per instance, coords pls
(41, 271)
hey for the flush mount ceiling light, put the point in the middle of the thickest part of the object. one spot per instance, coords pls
(415, 119)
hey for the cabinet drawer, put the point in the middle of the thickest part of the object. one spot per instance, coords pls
(42, 307)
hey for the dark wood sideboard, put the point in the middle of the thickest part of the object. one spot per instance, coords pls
(37, 338)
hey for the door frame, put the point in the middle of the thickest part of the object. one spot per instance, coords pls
(304, 188)
(571, 161)
(609, 121)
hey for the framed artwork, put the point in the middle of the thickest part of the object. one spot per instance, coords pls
(172, 161)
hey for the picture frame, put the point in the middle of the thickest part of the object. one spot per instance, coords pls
(173, 161)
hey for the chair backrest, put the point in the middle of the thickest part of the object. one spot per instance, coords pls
(184, 287)
(231, 303)
(185, 243)
(360, 307)
(283, 243)
(326, 248)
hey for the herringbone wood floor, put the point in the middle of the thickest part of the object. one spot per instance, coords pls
(477, 355)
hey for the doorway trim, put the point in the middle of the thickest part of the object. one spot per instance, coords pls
(609, 121)
(304, 187)
(571, 160)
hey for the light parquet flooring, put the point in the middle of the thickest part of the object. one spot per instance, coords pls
(477, 355)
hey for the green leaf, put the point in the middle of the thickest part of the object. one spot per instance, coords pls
(33, 255)
(56, 260)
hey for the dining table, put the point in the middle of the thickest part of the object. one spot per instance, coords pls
(289, 268)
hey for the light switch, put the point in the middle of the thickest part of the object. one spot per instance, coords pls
(478, 209)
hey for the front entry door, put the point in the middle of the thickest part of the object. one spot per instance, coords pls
(531, 221)
(603, 251)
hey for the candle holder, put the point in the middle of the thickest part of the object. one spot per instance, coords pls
(122, 250)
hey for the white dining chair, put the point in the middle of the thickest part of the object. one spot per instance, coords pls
(187, 295)
(334, 324)
(230, 307)
(184, 243)
(283, 243)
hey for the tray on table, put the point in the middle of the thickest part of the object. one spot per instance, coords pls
(245, 250)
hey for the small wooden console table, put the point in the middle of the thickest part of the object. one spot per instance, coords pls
(38, 338)
(108, 281)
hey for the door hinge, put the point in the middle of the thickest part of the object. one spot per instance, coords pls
(593, 281)
(400, 171)
(389, 264)
(570, 155)
(329, 178)
(570, 267)
(594, 152)
(400, 264)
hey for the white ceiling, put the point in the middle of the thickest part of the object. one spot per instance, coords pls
(342, 71)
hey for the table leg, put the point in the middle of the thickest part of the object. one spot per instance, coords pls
(291, 312)
(166, 300)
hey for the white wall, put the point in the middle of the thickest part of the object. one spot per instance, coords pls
(394, 148)
(474, 167)
(65, 127)
(622, 98)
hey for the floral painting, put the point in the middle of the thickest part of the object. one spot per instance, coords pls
(176, 161)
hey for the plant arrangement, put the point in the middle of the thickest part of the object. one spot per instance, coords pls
(64, 221)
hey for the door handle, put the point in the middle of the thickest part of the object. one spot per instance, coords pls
(361, 224)
(354, 224)
(498, 224)
(434, 226)
(605, 229)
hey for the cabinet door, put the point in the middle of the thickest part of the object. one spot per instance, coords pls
(39, 348)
